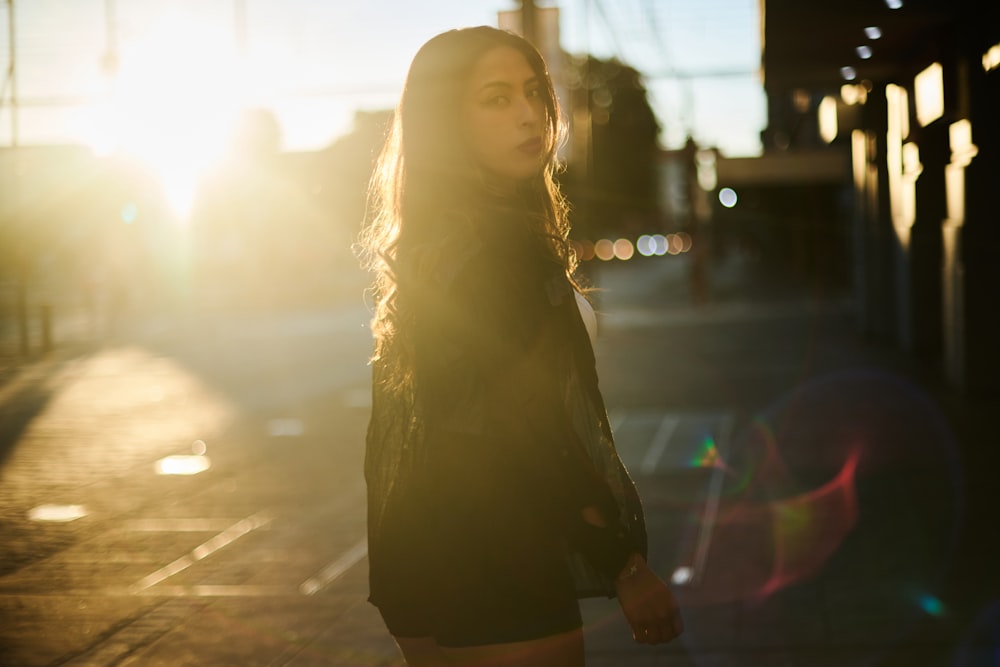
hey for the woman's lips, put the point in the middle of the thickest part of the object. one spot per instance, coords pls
(532, 146)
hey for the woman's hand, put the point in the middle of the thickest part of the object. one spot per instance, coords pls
(648, 604)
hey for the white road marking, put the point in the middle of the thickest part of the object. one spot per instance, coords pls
(712, 502)
(287, 427)
(659, 443)
(204, 550)
(178, 525)
(335, 569)
(219, 591)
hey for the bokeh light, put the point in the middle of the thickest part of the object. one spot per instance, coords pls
(727, 197)
(685, 240)
(623, 249)
(682, 575)
(604, 249)
(645, 245)
(129, 213)
(659, 244)
(584, 249)
(674, 244)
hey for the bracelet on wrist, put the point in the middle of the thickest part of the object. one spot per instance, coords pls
(630, 570)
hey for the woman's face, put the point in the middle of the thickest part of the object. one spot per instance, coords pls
(503, 116)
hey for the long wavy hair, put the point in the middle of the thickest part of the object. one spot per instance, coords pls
(426, 190)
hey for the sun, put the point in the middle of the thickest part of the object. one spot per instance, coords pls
(173, 103)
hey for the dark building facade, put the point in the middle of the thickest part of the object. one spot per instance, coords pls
(908, 91)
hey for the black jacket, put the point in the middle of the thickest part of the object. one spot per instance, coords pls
(502, 435)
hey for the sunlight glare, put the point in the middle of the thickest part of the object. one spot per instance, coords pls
(173, 104)
(183, 465)
(57, 513)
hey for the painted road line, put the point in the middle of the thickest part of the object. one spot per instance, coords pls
(659, 443)
(204, 550)
(219, 591)
(197, 525)
(712, 502)
(335, 569)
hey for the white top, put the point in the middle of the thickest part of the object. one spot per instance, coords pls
(588, 315)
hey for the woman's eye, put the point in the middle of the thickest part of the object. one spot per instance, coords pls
(534, 93)
(498, 101)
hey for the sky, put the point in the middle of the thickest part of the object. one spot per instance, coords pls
(183, 71)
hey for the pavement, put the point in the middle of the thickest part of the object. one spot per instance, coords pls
(814, 498)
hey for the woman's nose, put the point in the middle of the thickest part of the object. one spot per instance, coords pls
(530, 113)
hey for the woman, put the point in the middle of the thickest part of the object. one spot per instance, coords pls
(496, 498)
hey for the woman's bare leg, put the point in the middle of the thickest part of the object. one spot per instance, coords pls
(563, 650)
(422, 652)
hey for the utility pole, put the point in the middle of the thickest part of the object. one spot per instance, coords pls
(240, 19)
(528, 22)
(110, 61)
(20, 259)
(12, 73)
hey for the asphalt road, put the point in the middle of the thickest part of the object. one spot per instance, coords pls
(192, 494)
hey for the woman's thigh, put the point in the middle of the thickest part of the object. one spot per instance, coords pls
(422, 652)
(562, 650)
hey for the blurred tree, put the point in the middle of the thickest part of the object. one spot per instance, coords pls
(614, 189)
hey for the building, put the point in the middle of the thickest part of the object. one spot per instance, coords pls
(906, 93)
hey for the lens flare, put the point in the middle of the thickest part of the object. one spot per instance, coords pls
(931, 605)
(810, 527)
(707, 455)
(814, 477)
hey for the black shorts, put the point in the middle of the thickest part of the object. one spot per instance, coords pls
(493, 585)
(479, 621)
(468, 559)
